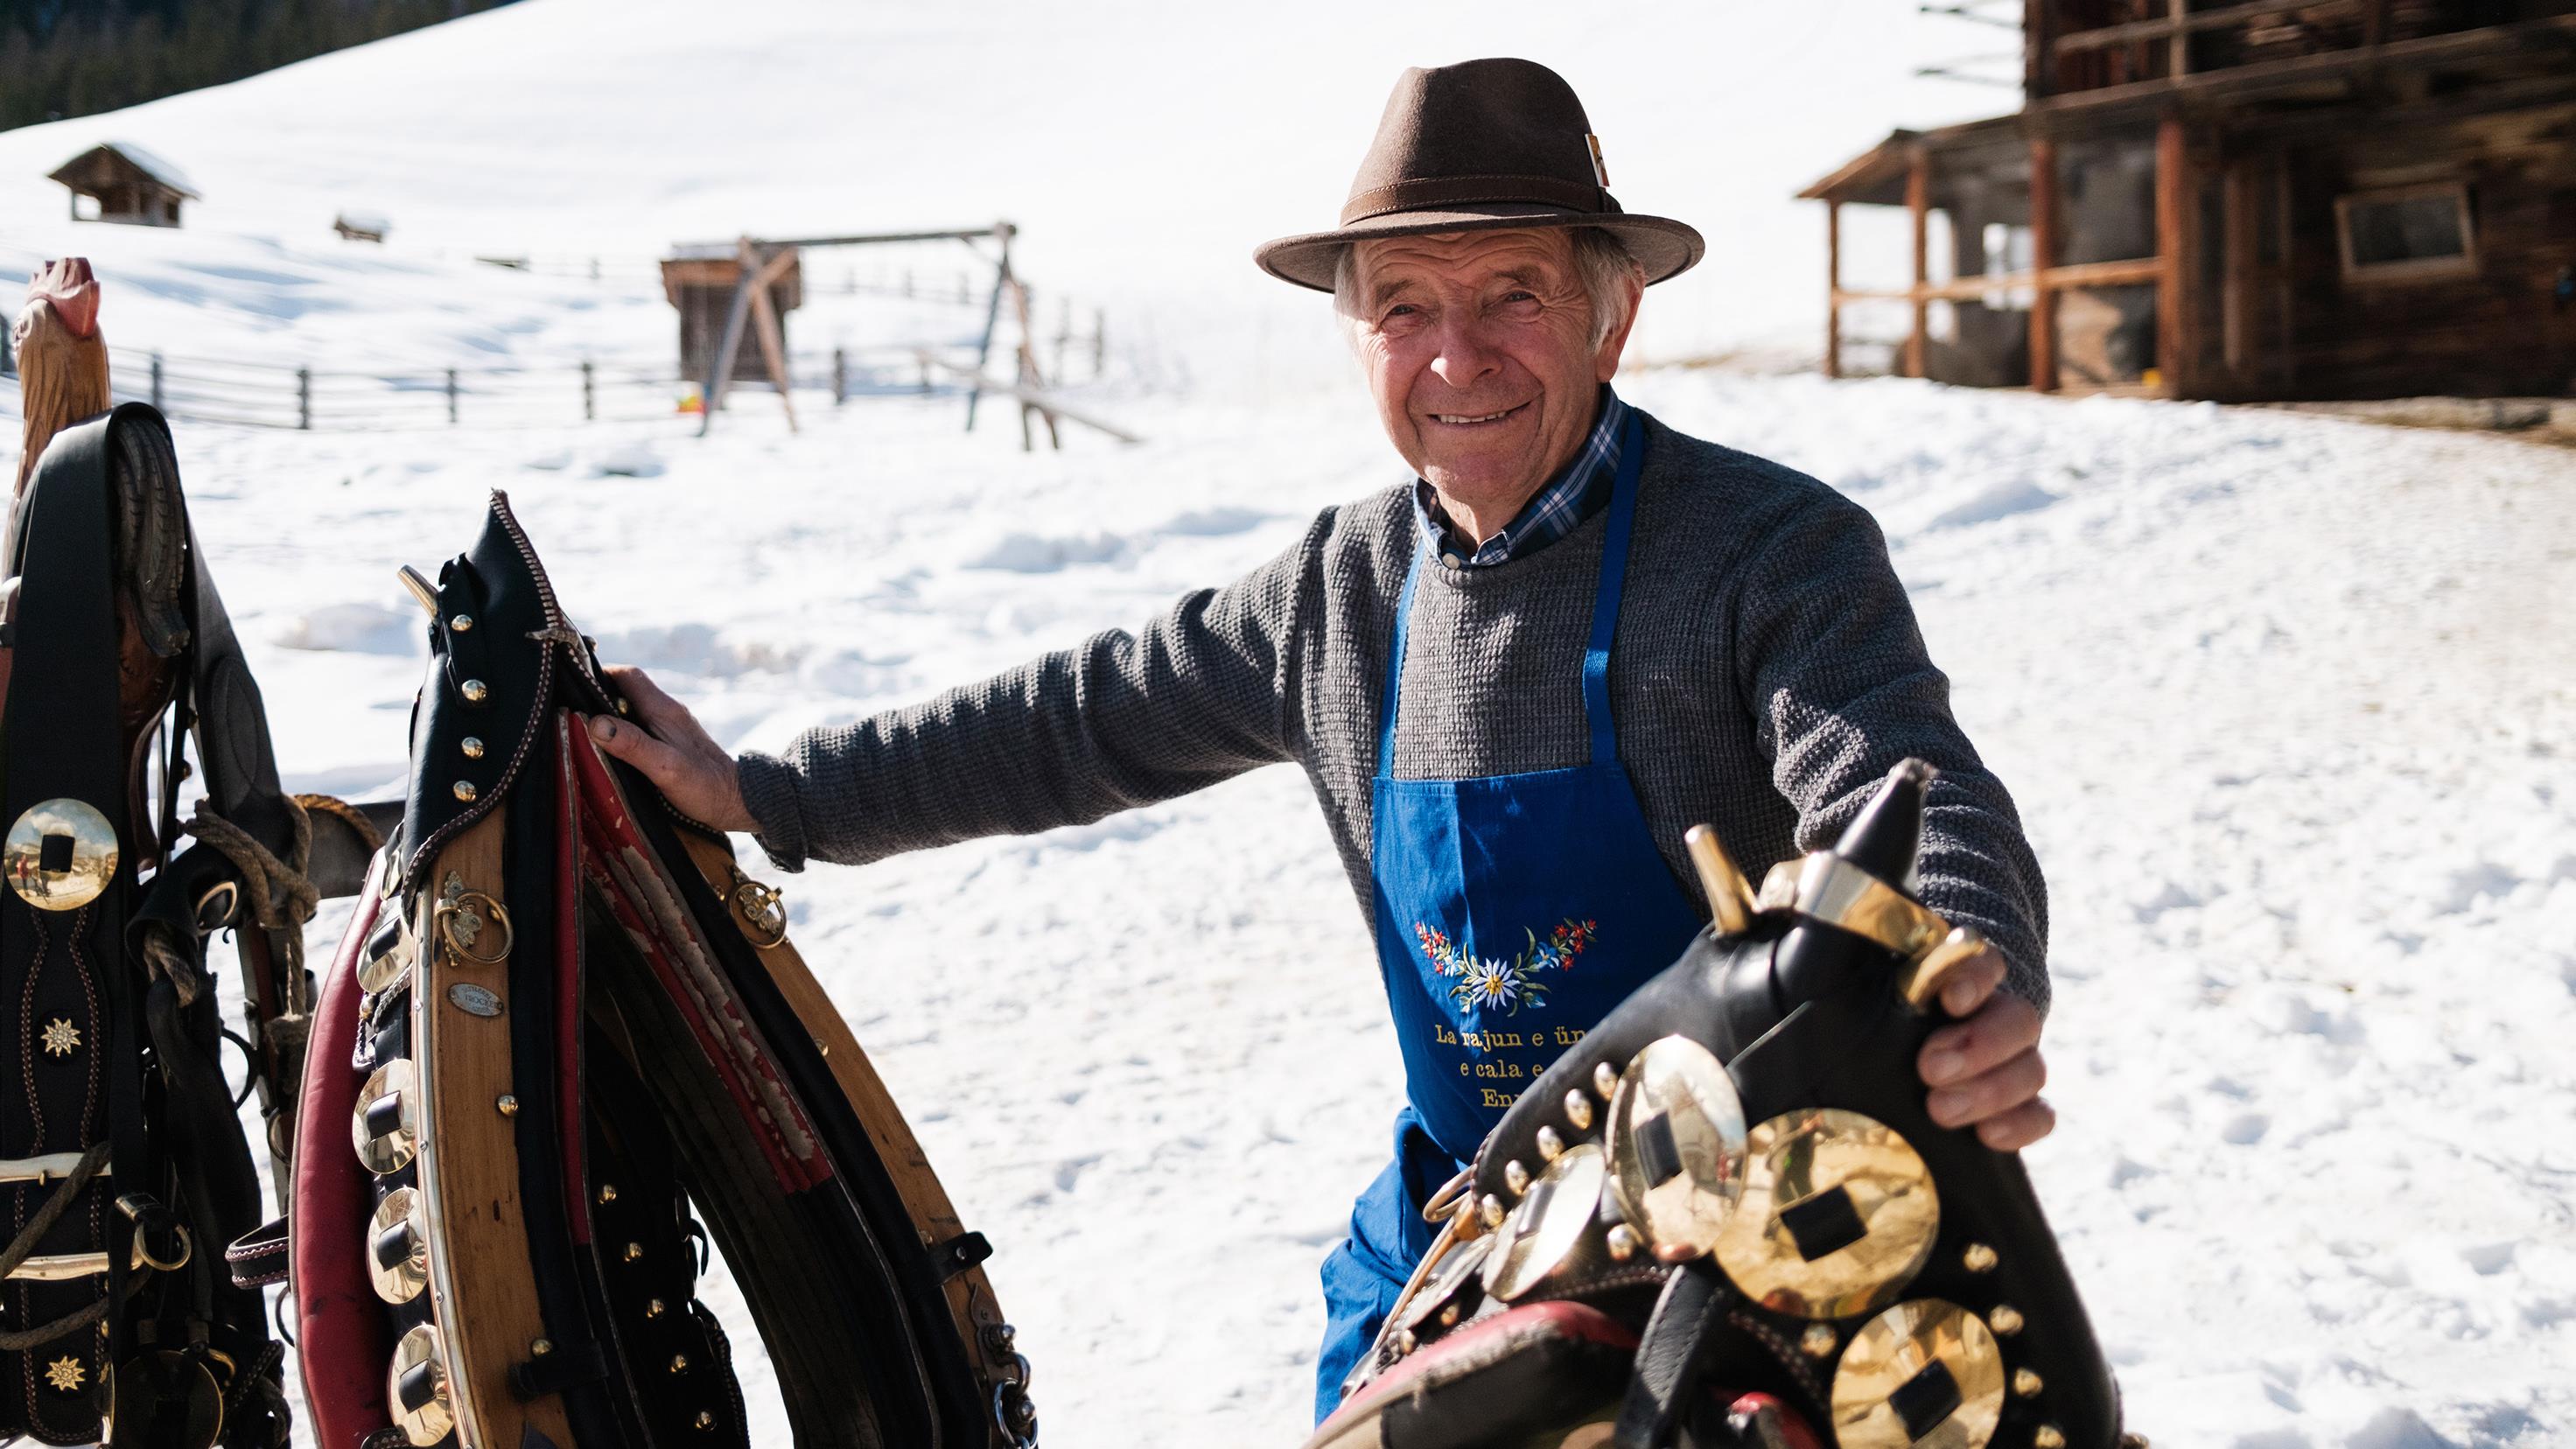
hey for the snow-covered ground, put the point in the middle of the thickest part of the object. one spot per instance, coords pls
(2285, 699)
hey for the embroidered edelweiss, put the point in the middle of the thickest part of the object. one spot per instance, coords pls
(62, 1038)
(66, 1374)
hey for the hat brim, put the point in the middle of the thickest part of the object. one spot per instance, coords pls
(1664, 247)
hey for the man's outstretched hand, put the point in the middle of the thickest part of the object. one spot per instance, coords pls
(674, 751)
(1985, 1068)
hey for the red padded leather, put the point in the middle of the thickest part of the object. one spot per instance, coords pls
(1477, 1347)
(342, 1341)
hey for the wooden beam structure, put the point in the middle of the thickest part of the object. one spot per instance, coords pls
(2181, 21)
(2174, 349)
(1833, 289)
(2043, 263)
(1918, 202)
(2130, 272)
(2237, 248)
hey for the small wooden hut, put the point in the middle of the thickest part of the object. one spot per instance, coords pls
(364, 226)
(125, 183)
(700, 281)
(2248, 199)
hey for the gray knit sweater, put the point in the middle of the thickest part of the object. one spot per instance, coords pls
(1766, 674)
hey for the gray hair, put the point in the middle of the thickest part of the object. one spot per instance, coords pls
(1603, 266)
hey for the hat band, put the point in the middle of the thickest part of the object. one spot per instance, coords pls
(1423, 195)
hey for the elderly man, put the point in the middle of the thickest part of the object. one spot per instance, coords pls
(1514, 679)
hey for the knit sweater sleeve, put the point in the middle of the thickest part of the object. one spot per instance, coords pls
(1835, 671)
(1201, 693)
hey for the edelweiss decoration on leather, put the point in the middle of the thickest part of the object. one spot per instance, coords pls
(569, 1048)
(1724, 1217)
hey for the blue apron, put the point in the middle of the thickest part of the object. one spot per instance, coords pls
(1513, 911)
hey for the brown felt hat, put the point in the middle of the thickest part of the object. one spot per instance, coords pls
(1483, 145)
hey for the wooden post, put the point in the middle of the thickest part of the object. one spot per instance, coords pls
(2236, 296)
(2178, 60)
(589, 394)
(156, 382)
(2043, 255)
(451, 397)
(992, 319)
(1918, 201)
(304, 399)
(840, 376)
(2173, 212)
(1099, 342)
(1833, 288)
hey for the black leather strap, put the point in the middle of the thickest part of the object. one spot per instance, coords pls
(258, 1258)
(1671, 1354)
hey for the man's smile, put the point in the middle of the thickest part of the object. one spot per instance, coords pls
(1476, 420)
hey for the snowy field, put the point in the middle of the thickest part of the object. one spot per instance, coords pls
(2285, 700)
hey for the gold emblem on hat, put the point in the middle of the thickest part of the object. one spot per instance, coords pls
(67, 1374)
(1838, 1214)
(60, 856)
(62, 1038)
(1600, 171)
(1924, 1373)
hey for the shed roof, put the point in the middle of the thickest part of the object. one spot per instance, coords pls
(134, 156)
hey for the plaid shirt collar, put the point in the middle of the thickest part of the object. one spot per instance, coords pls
(1582, 490)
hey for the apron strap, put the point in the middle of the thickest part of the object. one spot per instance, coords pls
(1605, 602)
(1395, 657)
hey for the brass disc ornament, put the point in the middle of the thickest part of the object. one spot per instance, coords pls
(398, 1247)
(1925, 1374)
(1838, 1214)
(1555, 1218)
(140, 1390)
(1677, 1147)
(60, 855)
(385, 1124)
(416, 1387)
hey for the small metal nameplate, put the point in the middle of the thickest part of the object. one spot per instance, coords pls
(479, 1000)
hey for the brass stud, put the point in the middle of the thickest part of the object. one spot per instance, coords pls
(1550, 1146)
(608, 1192)
(634, 1252)
(461, 624)
(1405, 1341)
(2048, 1436)
(652, 1307)
(1578, 1110)
(507, 1105)
(1516, 1177)
(624, 708)
(542, 1347)
(704, 1420)
(679, 1363)
(472, 747)
(465, 791)
(1819, 1341)
(1491, 1210)
(1978, 1258)
(2027, 1383)
(474, 690)
(1449, 1316)
(1624, 1243)
(1605, 1079)
(2005, 1320)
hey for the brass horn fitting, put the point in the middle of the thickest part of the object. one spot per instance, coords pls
(1730, 895)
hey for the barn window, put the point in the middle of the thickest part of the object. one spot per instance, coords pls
(2422, 231)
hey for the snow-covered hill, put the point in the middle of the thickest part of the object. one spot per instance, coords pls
(2284, 700)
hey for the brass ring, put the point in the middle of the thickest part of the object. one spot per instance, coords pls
(187, 1248)
(498, 914)
(764, 917)
(1443, 1202)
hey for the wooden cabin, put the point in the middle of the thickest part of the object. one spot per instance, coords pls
(122, 182)
(2246, 199)
(700, 282)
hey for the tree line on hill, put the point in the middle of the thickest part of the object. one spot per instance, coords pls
(63, 58)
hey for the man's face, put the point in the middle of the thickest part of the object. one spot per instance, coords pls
(1479, 352)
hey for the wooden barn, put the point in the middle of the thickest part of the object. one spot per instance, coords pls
(124, 183)
(700, 281)
(2246, 199)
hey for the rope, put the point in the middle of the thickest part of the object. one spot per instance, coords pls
(347, 814)
(22, 1247)
(282, 898)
